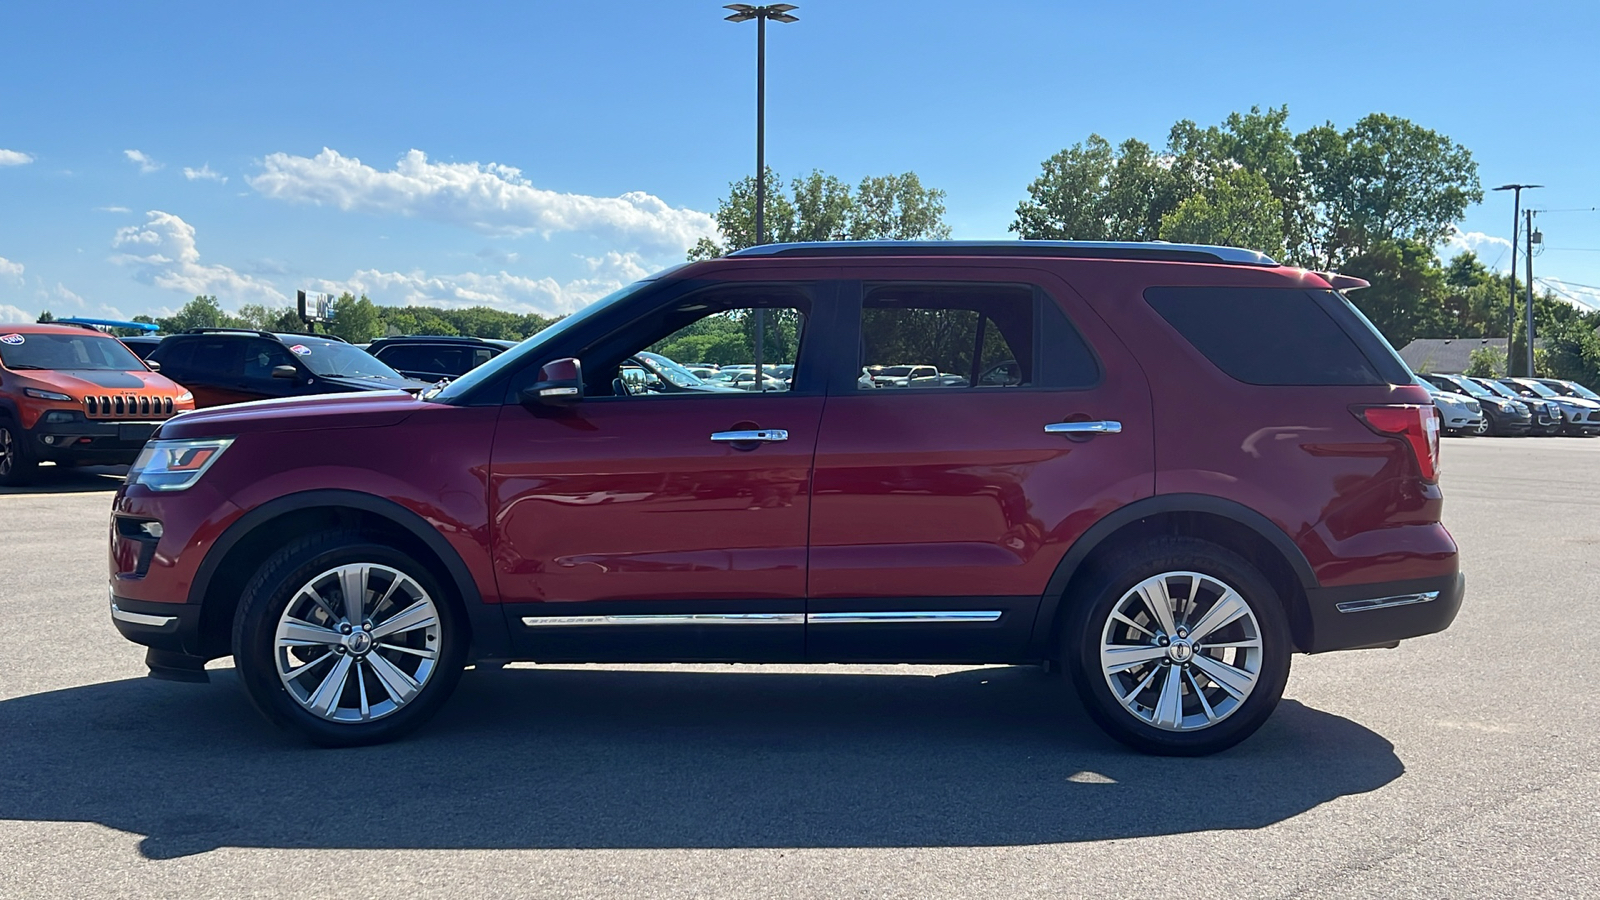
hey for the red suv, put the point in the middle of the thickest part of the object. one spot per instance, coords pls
(1195, 463)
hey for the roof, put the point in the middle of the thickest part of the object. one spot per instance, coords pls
(1159, 251)
(1447, 354)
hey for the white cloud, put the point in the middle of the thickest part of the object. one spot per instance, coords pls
(62, 292)
(500, 290)
(145, 163)
(204, 173)
(10, 315)
(1489, 248)
(14, 158)
(112, 209)
(165, 255)
(11, 270)
(491, 198)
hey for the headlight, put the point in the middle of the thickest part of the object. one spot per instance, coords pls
(184, 397)
(176, 465)
(46, 395)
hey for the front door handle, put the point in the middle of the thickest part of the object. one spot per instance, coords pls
(762, 435)
(1102, 427)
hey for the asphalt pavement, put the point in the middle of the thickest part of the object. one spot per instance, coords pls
(1466, 764)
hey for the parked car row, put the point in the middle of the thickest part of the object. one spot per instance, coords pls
(1512, 406)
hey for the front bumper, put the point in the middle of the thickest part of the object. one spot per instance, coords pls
(89, 441)
(170, 631)
(1380, 615)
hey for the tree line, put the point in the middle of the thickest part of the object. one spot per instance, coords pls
(1375, 200)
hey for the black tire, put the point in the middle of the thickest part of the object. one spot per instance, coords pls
(276, 585)
(1485, 427)
(1111, 581)
(17, 465)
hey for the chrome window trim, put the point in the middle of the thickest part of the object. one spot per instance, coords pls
(134, 618)
(1350, 606)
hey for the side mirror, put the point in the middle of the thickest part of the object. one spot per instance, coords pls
(289, 372)
(560, 384)
(153, 365)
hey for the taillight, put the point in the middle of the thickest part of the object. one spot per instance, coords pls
(1419, 425)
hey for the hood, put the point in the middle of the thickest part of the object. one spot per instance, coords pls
(1579, 402)
(364, 409)
(83, 382)
(376, 384)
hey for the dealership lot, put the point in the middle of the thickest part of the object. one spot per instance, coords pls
(1459, 765)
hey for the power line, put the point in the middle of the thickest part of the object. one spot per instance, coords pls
(1570, 209)
(1564, 283)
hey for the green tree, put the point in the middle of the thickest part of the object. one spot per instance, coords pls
(820, 207)
(1067, 202)
(46, 317)
(354, 318)
(1486, 362)
(201, 312)
(1238, 209)
(1407, 284)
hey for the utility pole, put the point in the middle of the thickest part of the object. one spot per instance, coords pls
(1516, 220)
(1533, 238)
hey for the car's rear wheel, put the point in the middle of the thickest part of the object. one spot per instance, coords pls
(17, 465)
(347, 641)
(1180, 648)
(1483, 427)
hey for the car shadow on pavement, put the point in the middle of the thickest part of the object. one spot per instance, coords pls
(690, 758)
(71, 480)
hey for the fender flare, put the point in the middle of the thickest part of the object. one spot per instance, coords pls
(1055, 592)
(488, 625)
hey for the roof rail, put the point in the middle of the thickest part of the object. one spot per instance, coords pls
(1159, 251)
(206, 329)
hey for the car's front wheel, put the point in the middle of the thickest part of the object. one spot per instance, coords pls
(1179, 648)
(17, 466)
(347, 641)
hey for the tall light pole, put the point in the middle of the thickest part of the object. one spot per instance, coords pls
(777, 12)
(1516, 216)
(1533, 238)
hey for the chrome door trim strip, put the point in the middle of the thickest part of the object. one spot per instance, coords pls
(670, 619)
(1350, 606)
(877, 617)
(902, 617)
(753, 436)
(134, 618)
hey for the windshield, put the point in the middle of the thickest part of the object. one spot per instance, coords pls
(332, 359)
(1581, 391)
(1500, 389)
(670, 370)
(512, 358)
(1470, 386)
(1538, 388)
(87, 351)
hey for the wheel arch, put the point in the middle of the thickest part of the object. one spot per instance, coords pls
(241, 549)
(1221, 521)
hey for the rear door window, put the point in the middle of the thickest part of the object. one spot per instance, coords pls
(1279, 336)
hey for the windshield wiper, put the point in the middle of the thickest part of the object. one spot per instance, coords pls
(23, 366)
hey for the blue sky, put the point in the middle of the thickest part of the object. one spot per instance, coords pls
(534, 155)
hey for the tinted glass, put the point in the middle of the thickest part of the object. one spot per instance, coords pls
(66, 351)
(261, 357)
(334, 359)
(946, 336)
(1269, 336)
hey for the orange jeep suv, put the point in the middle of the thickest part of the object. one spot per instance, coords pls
(74, 396)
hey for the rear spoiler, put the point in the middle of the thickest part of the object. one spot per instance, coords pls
(1343, 282)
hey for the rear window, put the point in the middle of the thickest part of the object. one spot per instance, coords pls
(1280, 336)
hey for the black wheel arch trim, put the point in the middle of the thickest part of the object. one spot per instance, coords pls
(489, 634)
(1160, 504)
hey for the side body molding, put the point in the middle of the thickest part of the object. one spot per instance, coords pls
(1051, 604)
(488, 625)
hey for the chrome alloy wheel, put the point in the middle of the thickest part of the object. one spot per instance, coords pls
(8, 452)
(1181, 651)
(357, 643)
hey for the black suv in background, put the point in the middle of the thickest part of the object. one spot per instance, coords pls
(234, 365)
(435, 358)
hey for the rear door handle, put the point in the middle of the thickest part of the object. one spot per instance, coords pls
(762, 435)
(1102, 427)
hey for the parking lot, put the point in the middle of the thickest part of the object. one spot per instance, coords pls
(1464, 764)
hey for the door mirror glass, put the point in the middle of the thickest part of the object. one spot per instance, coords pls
(285, 372)
(560, 384)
